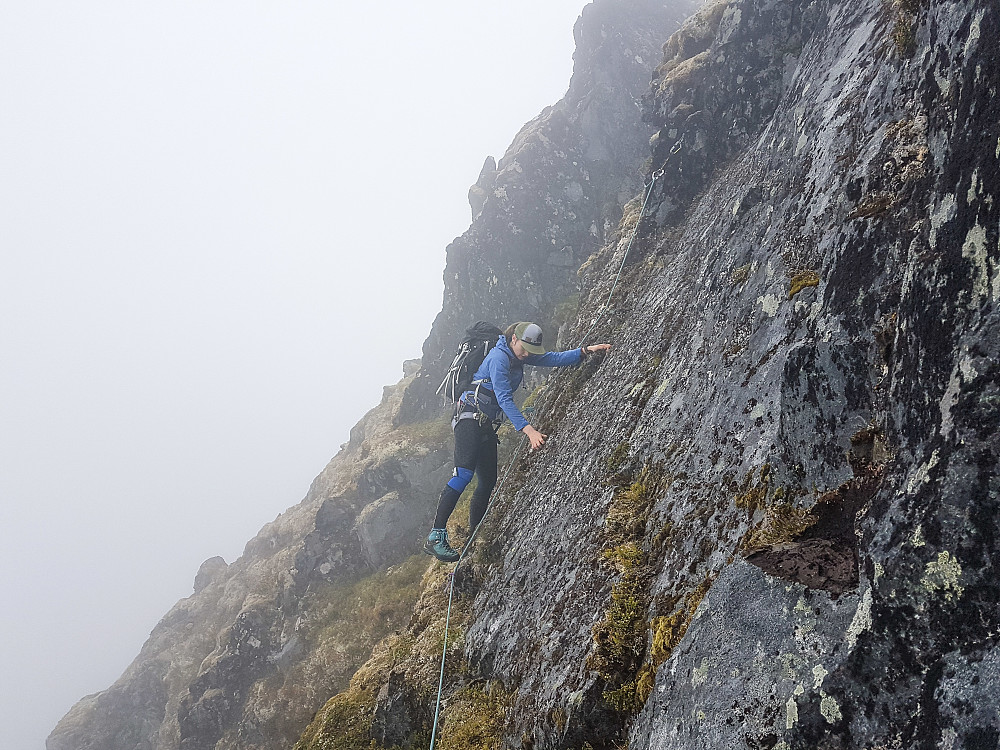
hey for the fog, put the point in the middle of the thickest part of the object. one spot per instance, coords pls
(222, 230)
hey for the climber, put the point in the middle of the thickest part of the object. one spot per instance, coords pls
(478, 416)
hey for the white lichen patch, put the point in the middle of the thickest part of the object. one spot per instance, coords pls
(974, 249)
(862, 620)
(917, 538)
(943, 213)
(699, 675)
(791, 712)
(942, 576)
(948, 400)
(975, 30)
(922, 474)
(829, 708)
(974, 186)
(769, 304)
(819, 674)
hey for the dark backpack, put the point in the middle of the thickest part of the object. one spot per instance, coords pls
(478, 341)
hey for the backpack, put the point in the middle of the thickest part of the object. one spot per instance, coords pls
(478, 341)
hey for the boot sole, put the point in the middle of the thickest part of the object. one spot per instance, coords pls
(432, 553)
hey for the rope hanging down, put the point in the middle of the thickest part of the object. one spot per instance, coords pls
(517, 452)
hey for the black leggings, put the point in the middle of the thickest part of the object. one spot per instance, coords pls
(475, 452)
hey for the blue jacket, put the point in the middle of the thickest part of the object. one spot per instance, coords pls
(502, 373)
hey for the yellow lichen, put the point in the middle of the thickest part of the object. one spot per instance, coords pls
(802, 280)
(942, 576)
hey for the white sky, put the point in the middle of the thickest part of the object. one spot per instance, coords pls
(222, 229)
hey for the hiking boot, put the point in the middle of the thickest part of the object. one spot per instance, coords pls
(437, 545)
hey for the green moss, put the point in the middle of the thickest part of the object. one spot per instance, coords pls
(529, 402)
(565, 311)
(620, 638)
(344, 723)
(873, 206)
(628, 512)
(667, 631)
(429, 432)
(617, 458)
(802, 280)
(782, 523)
(475, 718)
(753, 493)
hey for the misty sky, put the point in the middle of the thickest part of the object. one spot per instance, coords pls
(222, 230)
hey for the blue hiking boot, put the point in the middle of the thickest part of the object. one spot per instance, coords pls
(437, 545)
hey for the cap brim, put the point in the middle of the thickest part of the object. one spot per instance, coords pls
(532, 348)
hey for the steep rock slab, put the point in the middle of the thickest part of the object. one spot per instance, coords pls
(816, 331)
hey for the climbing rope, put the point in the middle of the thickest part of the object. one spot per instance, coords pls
(451, 588)
(649, 191)
(496, 490)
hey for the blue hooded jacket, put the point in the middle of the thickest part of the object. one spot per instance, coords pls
(501, 374)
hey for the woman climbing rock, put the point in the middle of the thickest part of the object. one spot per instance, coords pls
(479, 413)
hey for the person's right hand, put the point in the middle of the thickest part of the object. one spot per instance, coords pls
(537, 439)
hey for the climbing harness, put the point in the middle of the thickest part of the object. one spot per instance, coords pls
(450, 582)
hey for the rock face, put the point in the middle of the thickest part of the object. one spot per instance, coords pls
(768, 519)
(799, 414)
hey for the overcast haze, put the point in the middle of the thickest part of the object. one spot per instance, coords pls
(222, 230)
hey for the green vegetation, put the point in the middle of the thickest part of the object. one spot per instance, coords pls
(752, 494)
(667, 631)
(353, 617)
(782, 523)
(617, 459)
(430, 432)
(476, 718)
(344, 723)
(565, 311)
(873, 206)
(620, 638)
